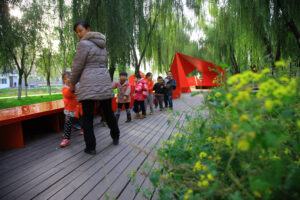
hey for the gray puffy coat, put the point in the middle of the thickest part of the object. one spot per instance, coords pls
(90, 69)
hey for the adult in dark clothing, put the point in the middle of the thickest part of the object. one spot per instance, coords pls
(90, 70)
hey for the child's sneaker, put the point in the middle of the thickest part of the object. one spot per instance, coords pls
(137, 115)
(151, 113)
(142, 117)
(77, 126)
(65, 142)
(81, 132)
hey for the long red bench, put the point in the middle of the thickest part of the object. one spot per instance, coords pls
(11, 130)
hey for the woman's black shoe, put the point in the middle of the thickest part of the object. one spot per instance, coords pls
(91, 152)
(115, 141)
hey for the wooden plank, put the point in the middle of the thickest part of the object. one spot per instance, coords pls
(112, 152)
(81, 182)
(55, 164)
(122, 181)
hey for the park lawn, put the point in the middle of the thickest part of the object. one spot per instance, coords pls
(14, 91)
(23, 95)
(10, 103)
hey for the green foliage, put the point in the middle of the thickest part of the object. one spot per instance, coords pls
(246, 148)
(249, 34)
(10, 103)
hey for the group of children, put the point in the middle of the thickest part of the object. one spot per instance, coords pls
(142, 92)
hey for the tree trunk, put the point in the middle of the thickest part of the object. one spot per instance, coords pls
(138, 65)
(49, 84)
(26, 85)
(269, 53)
(20, 84)
(290, 23)
(112, 70)
(236, 68)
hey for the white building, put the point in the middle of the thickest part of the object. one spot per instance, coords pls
(8, 80)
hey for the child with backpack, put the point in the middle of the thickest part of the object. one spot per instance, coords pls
(123, 96)
(160, 90)
(71, 111)
(149, 98)
(140, 94)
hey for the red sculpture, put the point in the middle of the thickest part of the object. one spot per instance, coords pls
(183, 65)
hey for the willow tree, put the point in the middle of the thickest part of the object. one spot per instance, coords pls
(18, 38)
(250, 34)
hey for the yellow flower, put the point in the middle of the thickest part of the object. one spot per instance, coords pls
(197, 166)
(202, 155)
(229, 96)
(218, 158)
(176, 134)
(287, 151)
(190, 191)
(210, 177)
(202, 177)
(205, 183)
(284, 79)
(234, 127)
(209, 139)
(243, 145)
(204, 168)
(218, 94)
(243, 118)
(257, 194)
(172, 142)
(280, 63)
(276, 157)
(228, 140)
(199, 184)
(258, 117)
(252, 134)
(269, 104)
(266, 71)
(209, 157)
(298, 123)
(186, 197)
(208, 98)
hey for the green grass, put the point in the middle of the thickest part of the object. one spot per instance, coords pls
(23, 95)
(10, 103)
(14, 91)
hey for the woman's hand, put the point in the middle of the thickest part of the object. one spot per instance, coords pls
(72, 88)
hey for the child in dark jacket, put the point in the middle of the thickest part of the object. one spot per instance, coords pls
(160, 91)
(72, 109)
(123, 97)
(170, 85)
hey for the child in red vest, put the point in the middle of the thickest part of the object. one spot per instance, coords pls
(123, 97)
(140, 94)
(72, 109)
(149, 98)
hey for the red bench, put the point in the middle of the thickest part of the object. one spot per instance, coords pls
(11, 130)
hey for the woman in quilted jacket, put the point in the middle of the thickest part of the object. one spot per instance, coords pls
(90, 70)
(140, 94)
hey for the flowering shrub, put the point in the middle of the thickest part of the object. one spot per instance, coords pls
(247, 148)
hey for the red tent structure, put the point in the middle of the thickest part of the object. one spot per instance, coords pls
(183, 65)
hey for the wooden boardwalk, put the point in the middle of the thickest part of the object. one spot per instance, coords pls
(42, 170)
